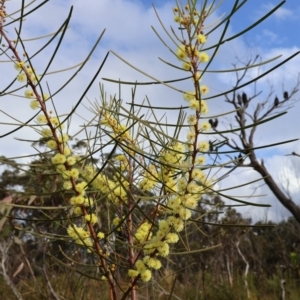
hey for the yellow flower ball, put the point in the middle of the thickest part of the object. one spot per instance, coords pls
(186, 66)
(67, 185)
(172, 238)
(163, 249)
(22, 77)
(203, 57)
(205, 126)
(74, 173)
(101, 236)
(192, 120)
(203, 146)
(19, 65)
(29, 94)
(54, 121)
(146, 275)
(140, 266)
(194, 104)
(71, 160)
(81, 187)
(191, 136)
(41, 119)
(204, 89)
(116, 221)
(88, 202)
(51, 144)
(200, 160)
(152, 262)
(197, 76)
(45, 97)
(201, 38)
(164, 225)
(190, 95)
(58, 159)
(77, 211)
(34, 104)
(91, 218)
(77, 200)
(67, 151)
(46, 132)
(62, 138)
(181, 52)
(132, 273)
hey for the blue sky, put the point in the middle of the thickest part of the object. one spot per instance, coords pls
(277, 29)
(128, 32)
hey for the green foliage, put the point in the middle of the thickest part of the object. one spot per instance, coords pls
(117, 222)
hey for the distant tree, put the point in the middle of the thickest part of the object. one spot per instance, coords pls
(250, 110)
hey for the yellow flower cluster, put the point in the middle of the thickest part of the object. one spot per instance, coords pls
(150, 179)
(58, 159)
(116, 221)
(191, 55)
(80, 236)
(41, 119)
(19, 65)
(157, 245)
(201, 38)
(22, 76)
(143, 233)
(67, 174)
(123, 161)
(29, 94)
(203, 146)
(120, 131)
(179, 175)
(77, 200)
(172, 156)
(142, 270)
(81, 187)
(195, 104)
(62, 158)
(205, 126)
(101, 235)
(186, 17)
(91, 218)
(198, 105)
(115, 190)
(152, 262)
(171, 161)
(185, 191)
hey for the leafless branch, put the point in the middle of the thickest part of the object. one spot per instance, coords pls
(244, 144)
(49, 285)
(4, 249)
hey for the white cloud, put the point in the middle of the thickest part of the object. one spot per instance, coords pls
(270, 34)
(282, 13)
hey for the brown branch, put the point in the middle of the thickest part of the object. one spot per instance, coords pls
(49, 285)
(273, 186)
(245, 138)
(4, 249)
